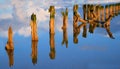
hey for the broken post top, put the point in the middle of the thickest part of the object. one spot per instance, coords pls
(10, 30)
(52, 11)
(65, 13)
(33, 17)
(75, 9)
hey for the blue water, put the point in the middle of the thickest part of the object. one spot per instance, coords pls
(97, 51)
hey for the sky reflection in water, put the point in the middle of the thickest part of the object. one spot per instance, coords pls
(97, 51)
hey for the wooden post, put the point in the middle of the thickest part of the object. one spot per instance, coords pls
(52, 19)
(106, 12)
(65, 18)
(33, 25)
(102, 14)
(98, 12)
(84, 34)
(64, 27)
(9, 45)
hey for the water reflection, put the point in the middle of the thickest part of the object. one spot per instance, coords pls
(76, 27)
(96, 16)
(10, 54)
(52, 46)
(34, 53)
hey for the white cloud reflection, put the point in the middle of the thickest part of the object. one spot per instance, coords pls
(18, 14)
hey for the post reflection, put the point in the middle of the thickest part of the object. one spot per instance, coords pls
(10, 47)
(52, 47)
(10, 54)
(65, 38)
(76, 32)
(64, 27)
(34, 53)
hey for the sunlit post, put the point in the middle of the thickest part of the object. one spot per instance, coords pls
(88, 11)
(64, 27)
(34, 53)
(85, 11)
(106, 12)
(9, 45)
(52, 20)
(84, 34)
(65, 18)
(98, 12)
(33, 25)
(116, 9)
(75, 17)
(110, 10)
(119, 7)
(113, 9)
(102, 14)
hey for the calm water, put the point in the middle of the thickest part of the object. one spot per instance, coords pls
(96, 51)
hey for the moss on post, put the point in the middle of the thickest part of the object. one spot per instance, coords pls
(65, 18)
(33, 25)
(52, 20)
(9, 45)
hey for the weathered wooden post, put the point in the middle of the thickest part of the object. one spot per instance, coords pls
(84, 34)
(88, 11)
(98, 12)
(110, 10)
(118, 8)
(33, 25)
(113, 9)
(52, 19)
(34, 53)
(106, 12)
(64, 27)
(9, 45)
(52, 47)
(65, 18)
(102, 14)
(85, 11)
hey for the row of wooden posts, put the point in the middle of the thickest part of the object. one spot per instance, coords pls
(94, 15)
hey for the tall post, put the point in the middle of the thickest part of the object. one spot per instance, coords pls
(65, 18)
(85, 18)
(64, 27)
(9, 45)
(33, 25)
(98, 12)
(52, 19)
(102, 14)
(106, 12)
